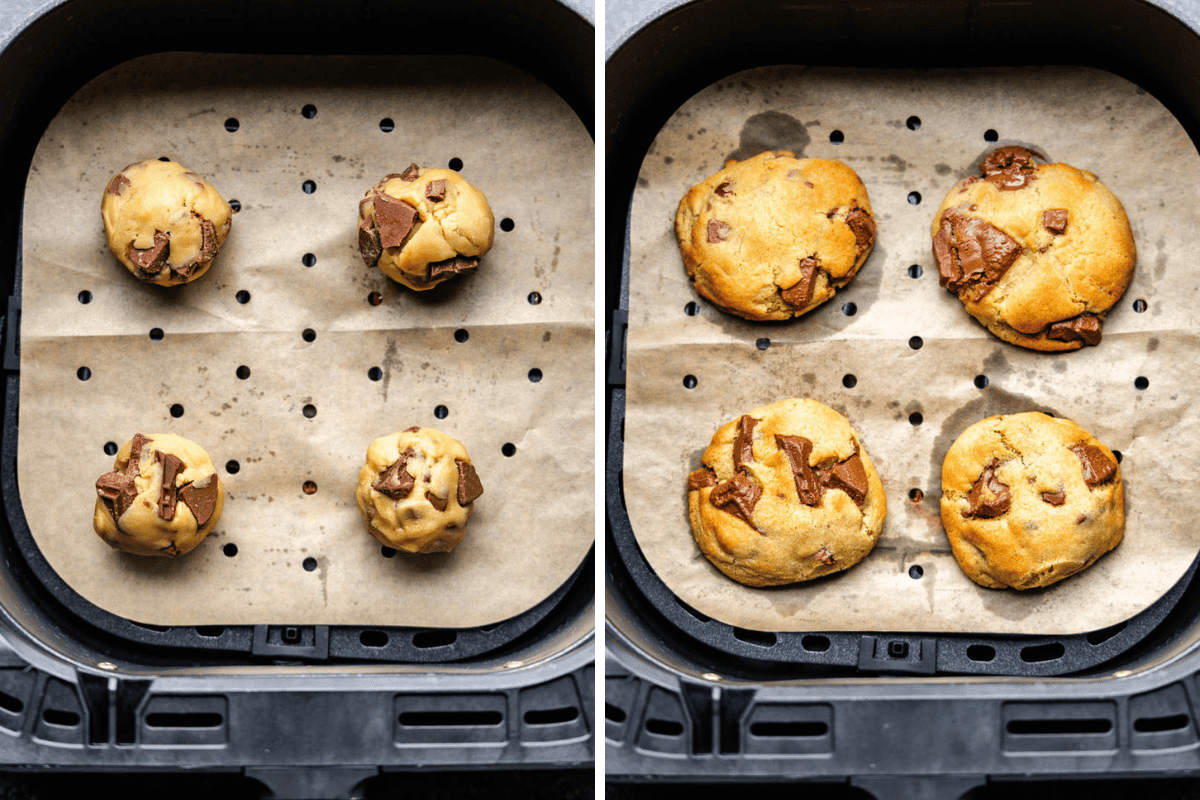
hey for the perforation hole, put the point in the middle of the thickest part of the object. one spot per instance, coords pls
(915, 418)
(373, 639)
(1104, 634)
(83, 373)
(456, 164)
(309, 111)
(1118, 455)
(1139, 306)
(614, 713)
(243, 297)
(913, 123)
(177, 411)
(309, 186)
(916, 571)
(756, 638)
(309, 487)
(308, 260)
(85, 297)
(387, 552)
(308, 335)
(1042, 652)
(210, 631)
(914, 271)
(815, 643)
(441, 412)
(461, 335)
(1141, 383)
(849, 381)
(375, 373)
(386, 125)
(689, 381)
(692, 309)
(507, 225)
(65, 719)
(1172, 722)
(230, 550)
(664, 727)
(981, 652)
(310, 411)
(763, 343)
(836, 137)
(232, 467)
(243, 372)
(914, 198)
(235, 206)
(535, 375)
(164, 158)
(110, 448)
(990, 135)
(309, 564)
(231, 125)
(375, 298)
(849, 309)
(916, 495)
(156, 334)
(509, 449)
(426, 639)
(534, 298)
(916, 342)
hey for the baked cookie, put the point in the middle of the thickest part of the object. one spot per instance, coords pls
(416, 490)
(773, 237)
(161, 499)
(1028, 500)
(164, 222)
(1036, 252)
(786, 494)
(424, 226)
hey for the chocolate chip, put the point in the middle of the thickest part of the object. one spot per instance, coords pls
(1055, 498)
(801, 294)
(943, 250)
(117, 185)
(369, 245)
(743, 452)
(436, 190)
(167, 498)
(410, 174)
(208, 239)
(413, 429)
(452, 266)
(1082, 518)
(1055, 221)
(850, 476)
(724, 190)
(1097, 467)
(202, 500)
(717, 231)
(135, 454)
(864, 230)
(1084, 328)
(469, 486)
(439, 503)
(797, 450)
(824, 556)
(118, 492)
(151, 260)
(989, 498)
(984, 253)
(737, 496)
(701, 478)
(395, 482)
(1010, 167)
(395, 219)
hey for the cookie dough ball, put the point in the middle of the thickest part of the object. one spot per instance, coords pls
(786, 493)
(773, 237)
(1029, 499)
(1036, 252)
(161, 499)
(424, 226)
(164, 222)
(416, 490)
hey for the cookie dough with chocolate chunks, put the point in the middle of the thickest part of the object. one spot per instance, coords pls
(424, 226)
(1029, 499)
(162, 497)
(417, 489)
(785, 493)
(1037, 252)
(164, 222)
(774, 236)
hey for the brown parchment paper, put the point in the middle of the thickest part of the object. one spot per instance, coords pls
(1090, 119)
(532, 157)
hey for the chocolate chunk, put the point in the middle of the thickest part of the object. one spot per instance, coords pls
(208, 242)
(410, 174)
(717, 231)
(439, 503)
(984, 254)
(395, 219)
(737, 496)
(850, 476)
(700, 478)
(1010, 167)
(202, 500)
(797, 449)
(1055, 498)
(989, 497)
(436, 190)
(743, 452)
(117, 185)
(724, 190)
(171, 467)
(801, 294)
(118, 492)
(413, 429)
(1082, 518)
(395, 482)
(151, 260)
(1055, 221)
(864, 230)
(824, 556)
(368, 242)
(1084, 328)
(135, 454)
(1097, 467)
(452, 266)
(809, 184)
(469, 486)
(949, 273)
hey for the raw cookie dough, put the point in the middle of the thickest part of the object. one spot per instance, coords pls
(139, 512)
(1036, 252)
(164, 222)
(773, 237)
(1029, 499)
(424, 226)
(416, 490)
(786, 494)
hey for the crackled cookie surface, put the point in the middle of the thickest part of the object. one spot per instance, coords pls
(773, 237)
(786, 493)
(417, 489)
(162, 497)
(424, 226)
(1036, 252)
(1029, 499)
(164, 222)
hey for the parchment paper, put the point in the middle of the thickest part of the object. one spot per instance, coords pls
(1090, 119)
(532, 157)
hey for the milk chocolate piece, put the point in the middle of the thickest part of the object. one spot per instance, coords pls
(436, 190)
(1055, 221)
(368, 242)
(724, 190)
(208, 242)
(413, 429)
(743, 452)
(737, 496)
(135, 454)
(117, 185)
(1084, 328)
(202, 500)
(943, 250)
(824, 556)
(395, 482)
(410, 174)
(801, 294)
(469, 486)
(863, 226)
(1055, 498)
(797, 449)
(1010, 167)
(118, 492)
(151, 260)
(1097, 467)
(439, 503)
(717, 231)
(453, 266)
(701, 478)
(167, 498)
(984, 253)
(395, 219)
(850, 476)
(989, 497)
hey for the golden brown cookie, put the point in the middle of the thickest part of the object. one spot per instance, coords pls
(164, 222)
(786, 494)
(417, 489)
(1036, 252)
(1029, 499)
(424, 226)
(773, 237)
(161, 499)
